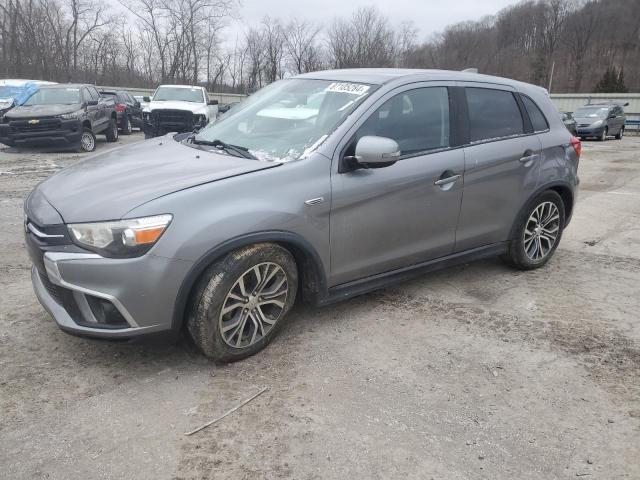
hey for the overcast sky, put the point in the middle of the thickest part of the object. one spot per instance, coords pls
(429, 16)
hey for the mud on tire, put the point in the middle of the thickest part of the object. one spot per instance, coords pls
(221, 286)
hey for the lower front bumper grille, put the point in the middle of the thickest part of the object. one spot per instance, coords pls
(54, 290)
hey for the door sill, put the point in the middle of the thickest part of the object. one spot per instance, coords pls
(374, 282)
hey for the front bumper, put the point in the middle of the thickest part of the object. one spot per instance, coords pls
(143, 290)
(590, 131)
(46, 133)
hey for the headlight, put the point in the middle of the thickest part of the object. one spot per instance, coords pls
(199, 119)
(121, 239)
(596, 124)
(70, 116)
(146, 116)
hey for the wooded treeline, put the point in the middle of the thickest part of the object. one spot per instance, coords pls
(141, 43)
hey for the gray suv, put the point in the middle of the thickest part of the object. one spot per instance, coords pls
(322, 186)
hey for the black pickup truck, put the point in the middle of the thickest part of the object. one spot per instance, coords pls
(64, 115)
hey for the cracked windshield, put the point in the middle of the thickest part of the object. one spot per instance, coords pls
(288, 119)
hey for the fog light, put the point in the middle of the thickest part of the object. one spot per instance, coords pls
(106, 312)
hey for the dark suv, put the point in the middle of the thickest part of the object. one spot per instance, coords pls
(600, 120)
(128, 110)
(65, 115)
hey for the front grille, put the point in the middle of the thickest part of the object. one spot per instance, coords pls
(176, 120)
(41, 125)
(54, 290)
(584, 125)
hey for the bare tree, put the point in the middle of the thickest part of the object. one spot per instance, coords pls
(365, 40)
(300, 39)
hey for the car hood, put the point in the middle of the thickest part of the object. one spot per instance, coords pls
(107, 186)
(33, 111)
(174, 105)
(589, 120)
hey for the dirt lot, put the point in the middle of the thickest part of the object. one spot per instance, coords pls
(474, 372)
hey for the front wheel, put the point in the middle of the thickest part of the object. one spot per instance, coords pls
(537, 232)
(604, 134)
(620, 134)
(87, 140)
(112, 131)
(241, 301)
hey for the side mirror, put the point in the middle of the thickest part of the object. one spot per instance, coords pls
(146, 99)
(92, 103)
(212, 102)
(378, 150)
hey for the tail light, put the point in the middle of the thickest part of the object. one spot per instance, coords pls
(577, 145)
(120, 107)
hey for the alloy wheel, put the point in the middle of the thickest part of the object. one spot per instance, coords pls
(541, 231)
(253, 305)
(87, 141)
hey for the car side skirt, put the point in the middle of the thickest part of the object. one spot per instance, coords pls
(374, 282)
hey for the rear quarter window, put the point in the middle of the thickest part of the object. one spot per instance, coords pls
(492, 114)
(538, 120)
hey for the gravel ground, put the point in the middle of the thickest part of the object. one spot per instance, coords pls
(474, 372)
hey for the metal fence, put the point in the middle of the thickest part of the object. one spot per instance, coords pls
(568, 102)
(221, 97)
(564, 102)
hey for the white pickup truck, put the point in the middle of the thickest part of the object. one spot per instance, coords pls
(178, 108)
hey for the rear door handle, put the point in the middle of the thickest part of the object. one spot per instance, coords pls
(528, 158)
(445, 181)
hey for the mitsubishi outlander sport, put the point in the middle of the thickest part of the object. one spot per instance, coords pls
(320, 187)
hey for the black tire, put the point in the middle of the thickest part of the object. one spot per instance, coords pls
(126, 125)
(517, 256)
(112, 131)
(205, 317)
(87, 140)
(605, 132)
(620, 134)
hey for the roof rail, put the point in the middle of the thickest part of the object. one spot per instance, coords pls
(470, 70)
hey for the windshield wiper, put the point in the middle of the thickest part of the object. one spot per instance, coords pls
(227, 147)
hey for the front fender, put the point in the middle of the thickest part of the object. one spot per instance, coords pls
(212, 219)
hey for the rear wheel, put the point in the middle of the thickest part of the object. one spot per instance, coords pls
(537, 232)
(241, 301)
(87, 140)
(126, 125)
(112, 131)
(620, 134)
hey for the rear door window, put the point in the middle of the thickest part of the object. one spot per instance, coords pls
(493, 114)
(538, 120)
(417, 119)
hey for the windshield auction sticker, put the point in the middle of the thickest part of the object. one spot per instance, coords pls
(345, 87)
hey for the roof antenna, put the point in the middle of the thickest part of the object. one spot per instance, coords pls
(470, 70)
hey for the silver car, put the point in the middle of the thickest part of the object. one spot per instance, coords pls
(321, 187)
